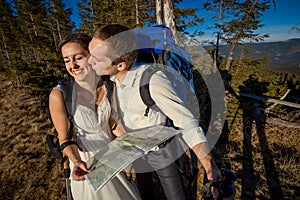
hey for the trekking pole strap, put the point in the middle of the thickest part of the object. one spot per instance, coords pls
(67, 143)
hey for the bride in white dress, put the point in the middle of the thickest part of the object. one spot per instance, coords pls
(91, 123)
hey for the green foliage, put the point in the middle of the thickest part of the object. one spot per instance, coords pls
(133, 13)
(238, 21)
(186, 18)
(255, 79)
(94, 13)
(244, 19)
(30, 31)
(7, 33)
(61, 24)
(250, 77)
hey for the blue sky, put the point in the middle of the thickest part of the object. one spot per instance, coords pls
(278, 23)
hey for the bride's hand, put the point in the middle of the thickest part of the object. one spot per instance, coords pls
(79, 170)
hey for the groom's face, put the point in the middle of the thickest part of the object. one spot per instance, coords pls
(99, 59)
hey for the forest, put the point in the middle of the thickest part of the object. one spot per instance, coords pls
(259, 140)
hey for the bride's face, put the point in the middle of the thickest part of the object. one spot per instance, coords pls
(75, 58)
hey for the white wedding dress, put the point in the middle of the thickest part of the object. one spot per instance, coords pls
(93, 134)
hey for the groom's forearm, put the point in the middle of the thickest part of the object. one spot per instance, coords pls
(202, 152)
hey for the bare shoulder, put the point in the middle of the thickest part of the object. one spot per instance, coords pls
(56, 95)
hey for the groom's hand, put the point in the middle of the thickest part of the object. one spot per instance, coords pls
(127, 172)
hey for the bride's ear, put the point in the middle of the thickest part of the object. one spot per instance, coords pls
(121, 66)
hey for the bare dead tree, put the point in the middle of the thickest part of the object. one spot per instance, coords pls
(165, 12)
(169, 16)
(159, 12)
(137, 21)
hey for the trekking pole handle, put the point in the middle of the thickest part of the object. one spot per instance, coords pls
(67, 170)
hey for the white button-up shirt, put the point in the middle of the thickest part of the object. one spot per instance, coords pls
(167, 103)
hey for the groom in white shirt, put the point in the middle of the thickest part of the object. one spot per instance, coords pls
(115, 57)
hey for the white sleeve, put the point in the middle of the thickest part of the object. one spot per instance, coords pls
(170, 104)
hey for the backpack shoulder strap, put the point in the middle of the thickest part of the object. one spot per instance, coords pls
(144, 88)
(145, 92)
(67, 92)
(109, 86)
(67, 87)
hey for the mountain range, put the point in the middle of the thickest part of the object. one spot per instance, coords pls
(281, 54)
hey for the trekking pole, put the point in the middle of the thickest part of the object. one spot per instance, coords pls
(67, 172)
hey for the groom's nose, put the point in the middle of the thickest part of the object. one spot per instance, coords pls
(90, 60)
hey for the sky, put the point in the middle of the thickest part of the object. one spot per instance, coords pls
(278, 22)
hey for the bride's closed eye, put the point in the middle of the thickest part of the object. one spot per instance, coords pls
(77, 57)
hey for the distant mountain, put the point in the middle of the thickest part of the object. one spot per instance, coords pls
(280, 54)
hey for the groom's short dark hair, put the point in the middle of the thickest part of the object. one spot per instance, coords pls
(124, 41)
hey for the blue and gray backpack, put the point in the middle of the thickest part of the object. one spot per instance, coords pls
(156, 45)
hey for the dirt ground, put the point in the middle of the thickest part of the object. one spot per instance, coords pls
(264, 155)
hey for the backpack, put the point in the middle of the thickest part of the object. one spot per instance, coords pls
(52, 141)
(157, 45)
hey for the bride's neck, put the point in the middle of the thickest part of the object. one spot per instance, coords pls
(87, 92)
(90, 85)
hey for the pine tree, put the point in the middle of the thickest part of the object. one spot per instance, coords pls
(10, 58)
(186, 18)
(133, 13)
(7, 22)
(61, 25)
(239, 22)
(94, 13)
(217, 6)
(34, 28)
(87, 14)
(36, 42)
(60, 17)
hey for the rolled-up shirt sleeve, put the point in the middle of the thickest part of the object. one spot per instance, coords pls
(166, 98)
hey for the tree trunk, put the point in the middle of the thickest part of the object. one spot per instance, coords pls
(5, 47)
(268, 99)
(237, 37)
(58, 30)
(229, 58)
(93, 15)
(216, 59)
(159, 12)
(54, 38)
(34, 28)
(169, 16)
(241, 57)
(137, 21)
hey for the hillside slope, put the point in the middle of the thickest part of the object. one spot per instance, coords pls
(280, 54)
(27, 170)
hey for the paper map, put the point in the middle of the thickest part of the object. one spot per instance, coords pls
(124, 150)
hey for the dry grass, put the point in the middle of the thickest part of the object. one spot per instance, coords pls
(266, 162)
(27, 170)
